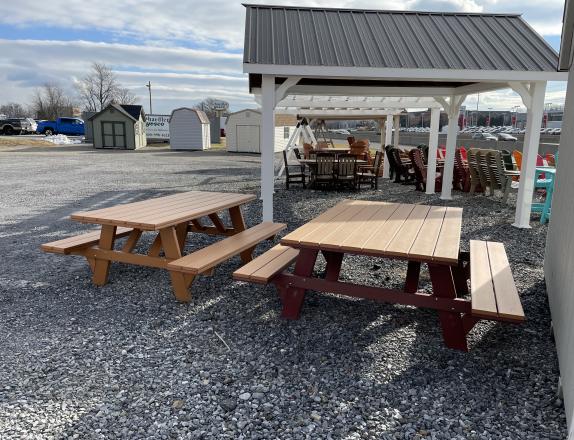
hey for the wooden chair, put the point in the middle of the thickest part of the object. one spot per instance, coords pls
(294, 173)
(517, 155)
(461, 178)
(499, 177)
(473, 169)
(351, 140)
(484, 172)
(404, 169)
(463, 154)
(391, 159)
(420, 171)
(370, 174)
(346, 170)
(550, 160)
(325, 169)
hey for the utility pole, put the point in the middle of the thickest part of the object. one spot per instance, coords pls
(148, 85)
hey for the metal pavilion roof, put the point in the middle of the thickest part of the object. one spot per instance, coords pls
(286, 35)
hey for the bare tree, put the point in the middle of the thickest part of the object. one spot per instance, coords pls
(211, 105)
(99, 88)
(13, 110)
(51, 101)
(124, 96)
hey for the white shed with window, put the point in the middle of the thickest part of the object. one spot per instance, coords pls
(189, 130)
(242, 130)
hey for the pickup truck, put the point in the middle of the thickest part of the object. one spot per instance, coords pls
(12, 126)
(71, 126)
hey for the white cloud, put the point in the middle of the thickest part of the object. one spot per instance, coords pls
(188, 49)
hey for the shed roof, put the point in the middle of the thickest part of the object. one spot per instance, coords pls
(200, 114)
(131, 111)
(304, 36)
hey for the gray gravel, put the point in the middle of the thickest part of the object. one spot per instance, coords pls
(127, 361)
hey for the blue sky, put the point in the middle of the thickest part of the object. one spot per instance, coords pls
(189, 50)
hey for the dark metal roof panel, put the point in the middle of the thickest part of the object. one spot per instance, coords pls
(285, 35)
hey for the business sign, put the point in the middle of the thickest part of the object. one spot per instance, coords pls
(220, 106)
(157, 127)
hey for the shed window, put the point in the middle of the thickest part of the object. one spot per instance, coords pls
(285, 132)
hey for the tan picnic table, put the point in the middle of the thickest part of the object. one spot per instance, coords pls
(171, 218)
(412, 233)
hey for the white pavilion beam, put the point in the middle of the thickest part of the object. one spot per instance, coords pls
(433, 146)
(356, 104)
(267, 144)
(536, 91)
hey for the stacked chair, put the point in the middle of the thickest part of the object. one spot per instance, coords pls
(370, 173)
(420, 171)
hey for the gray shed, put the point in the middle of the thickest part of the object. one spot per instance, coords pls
(189, 130)
(119, 126)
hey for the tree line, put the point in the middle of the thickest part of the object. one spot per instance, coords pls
(99, 88)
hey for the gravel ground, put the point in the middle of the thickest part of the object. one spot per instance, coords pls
(126, 361)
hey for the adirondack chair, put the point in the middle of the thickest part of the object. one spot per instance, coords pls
(463, 154)
(473, 168)
(345, 172)
(550, 159)
(325, 169)
(517, 155)
(420, 171)
(483, 171)
(547, 186)
(370, 174)
(499, 177)
(461, 173)
(404, 169)
(392, 165)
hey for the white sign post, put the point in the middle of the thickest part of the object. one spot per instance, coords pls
(157, 127)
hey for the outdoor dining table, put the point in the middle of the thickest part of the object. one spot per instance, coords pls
(171, 218)
(413, 233)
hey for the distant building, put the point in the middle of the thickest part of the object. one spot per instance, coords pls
(119, 126)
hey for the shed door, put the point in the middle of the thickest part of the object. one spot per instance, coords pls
(248, 138)
(114, 134)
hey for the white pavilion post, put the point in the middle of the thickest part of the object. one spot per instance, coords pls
(529, 153)
(389, 130)
(397, 125)
(267, 144)
(433, 146)
(386, 134)
(453, 109)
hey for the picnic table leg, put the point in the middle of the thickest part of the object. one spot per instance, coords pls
(453, 329)
(334, 262)
(172, 249)
(413, 274)
(239, 226)
(292, 297)
(102, 267)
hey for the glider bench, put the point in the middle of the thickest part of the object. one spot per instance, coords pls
(493, 292)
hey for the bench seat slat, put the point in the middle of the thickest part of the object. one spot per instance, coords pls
(483, 297)
(263, 268)
(75, 242)
(507, 299)
(210, 256)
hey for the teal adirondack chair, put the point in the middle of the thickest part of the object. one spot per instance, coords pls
(545, 182)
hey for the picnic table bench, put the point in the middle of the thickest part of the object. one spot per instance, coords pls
(171, 218)
(413, 233)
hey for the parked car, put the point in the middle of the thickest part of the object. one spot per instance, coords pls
(341, 131)
(507, 137)
(484, 136)
(11, 126)
(557, 131)
(71, 126)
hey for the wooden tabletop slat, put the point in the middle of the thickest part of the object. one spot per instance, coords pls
(379, 241)
(130, 213)
(426, 240)
(407, 234)
(295, 237)
(507, 299)
(448, 244)
(165, 211)
(332, 232)
(355, 233)
(116, 209)
(483, 297)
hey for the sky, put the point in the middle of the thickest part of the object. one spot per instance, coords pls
(188, 49)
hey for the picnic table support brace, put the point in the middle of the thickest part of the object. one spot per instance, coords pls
(102, 267)
(452, 323)
(292, 297)
(334, 261)
(172, 249)
(413, 273)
